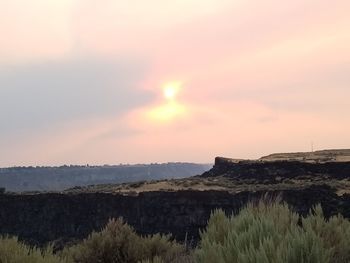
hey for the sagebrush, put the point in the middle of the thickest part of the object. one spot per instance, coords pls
(270, 232)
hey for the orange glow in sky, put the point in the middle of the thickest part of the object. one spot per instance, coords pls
(186, 80)
(171, 108)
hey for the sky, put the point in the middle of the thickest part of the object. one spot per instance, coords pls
(110, 81)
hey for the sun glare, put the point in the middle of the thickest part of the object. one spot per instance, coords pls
(171, 89)
(171, 108)
(167, 112)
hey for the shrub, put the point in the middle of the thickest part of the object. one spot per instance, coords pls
(118, 243)
(13, 251)
(269, 232)
(334, 232)
(180, 258)
(161, 247)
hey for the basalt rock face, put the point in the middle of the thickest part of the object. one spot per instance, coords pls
(48, 217)
(263, 171)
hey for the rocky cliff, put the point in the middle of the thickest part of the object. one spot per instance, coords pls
(42, 218)
(262, 171)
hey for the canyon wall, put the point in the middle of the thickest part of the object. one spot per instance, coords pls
(42, 218)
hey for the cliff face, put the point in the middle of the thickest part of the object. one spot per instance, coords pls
(47, 217)
(268, 170)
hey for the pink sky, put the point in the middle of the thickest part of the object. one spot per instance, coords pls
(83, 81)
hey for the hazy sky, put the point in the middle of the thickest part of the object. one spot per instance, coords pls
(86, 81)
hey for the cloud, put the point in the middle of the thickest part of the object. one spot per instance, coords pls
(258, 76)
(35, 96)
(38, 29)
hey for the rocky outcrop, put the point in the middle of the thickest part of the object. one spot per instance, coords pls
(48, 217)
(263, 171)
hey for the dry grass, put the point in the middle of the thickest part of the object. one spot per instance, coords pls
(216, 184)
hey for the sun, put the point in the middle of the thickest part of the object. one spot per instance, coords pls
(171, 108)
(171, 89)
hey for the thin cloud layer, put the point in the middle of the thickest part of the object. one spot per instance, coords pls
(39, 95)
(78, 79)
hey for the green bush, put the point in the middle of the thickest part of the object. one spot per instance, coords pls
(13, 251)
(269, 232)
(334, 232)
(118, 243)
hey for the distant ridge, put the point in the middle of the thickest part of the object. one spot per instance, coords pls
(334, 155)
(19, 179)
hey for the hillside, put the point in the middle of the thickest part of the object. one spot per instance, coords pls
(340, 155)
(19, 179)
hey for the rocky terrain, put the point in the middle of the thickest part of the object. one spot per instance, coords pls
(180, 206)
(273, 172)
(41, 218)
(342, 155)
